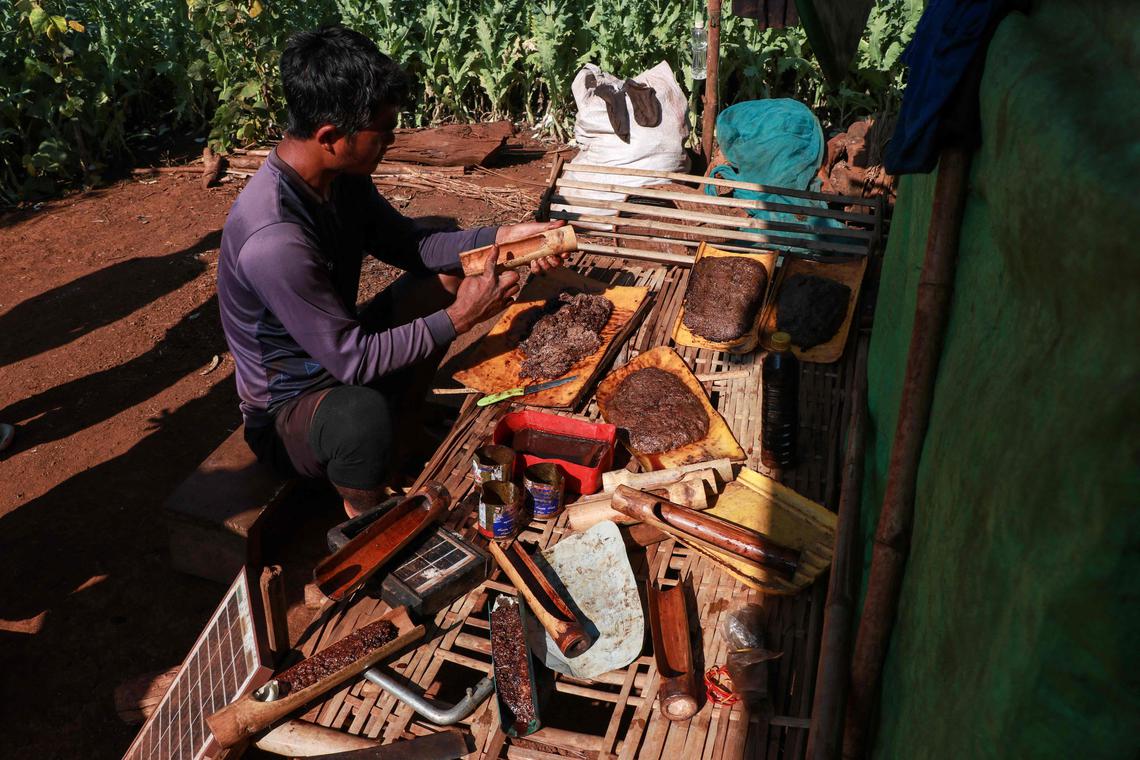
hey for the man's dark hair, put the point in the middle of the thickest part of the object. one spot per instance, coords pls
(334, 75)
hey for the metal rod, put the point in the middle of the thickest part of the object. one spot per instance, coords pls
(440, 716)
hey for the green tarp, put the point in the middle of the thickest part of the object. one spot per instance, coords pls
(1019, 622)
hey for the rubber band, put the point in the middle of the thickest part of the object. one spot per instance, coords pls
(718, 686)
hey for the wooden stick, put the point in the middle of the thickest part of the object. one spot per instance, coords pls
(572, 202)
(691, 493)
(249, 716)
(669, 625)
(453, 391)
(712, 81)
(638, 254)
(564, 627)
(896, 519)
(735, 223)
(835, 646)
(300, 738)
(615, 478)
(715, 200)
(847, 200)
(714, 531)
(732, 374)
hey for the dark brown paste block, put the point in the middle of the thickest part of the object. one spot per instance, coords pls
(723, 297)
(811, 309)
(512, 674)
(658, 410)
(350, 649)
(569, 332)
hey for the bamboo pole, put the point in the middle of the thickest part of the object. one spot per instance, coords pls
(712, 75)
(835, 648)
(638, 254)
(722, 200)
(656, 212)
(896, 519)
(629, 171)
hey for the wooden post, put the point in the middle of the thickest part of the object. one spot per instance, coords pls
(712, 63)
(835, 646)
(896, 519)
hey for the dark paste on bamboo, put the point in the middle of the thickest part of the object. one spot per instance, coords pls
(659, 412)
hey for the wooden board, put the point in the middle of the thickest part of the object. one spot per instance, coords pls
(718, 443)
(451, 145)
(747, 342)
(493, 364)
(850, 273)
(789, 519)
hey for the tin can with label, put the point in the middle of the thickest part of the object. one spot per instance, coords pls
(545, 490)
(493, 462)
(500, 510)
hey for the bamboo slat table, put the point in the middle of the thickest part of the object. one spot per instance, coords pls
(616, 715)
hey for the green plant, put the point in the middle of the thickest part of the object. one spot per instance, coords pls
(82, 83)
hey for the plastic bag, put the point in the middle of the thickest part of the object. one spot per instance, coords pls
(747, 658)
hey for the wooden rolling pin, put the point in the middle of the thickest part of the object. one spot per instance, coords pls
(615, 478)
(313, 677)
(548, 606)
(724, 535)
(669, 625)
(519, 253)
(691, 492)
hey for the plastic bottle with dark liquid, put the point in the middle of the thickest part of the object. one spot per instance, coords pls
(780, 403)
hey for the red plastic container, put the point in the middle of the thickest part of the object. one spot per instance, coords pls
(583, 467)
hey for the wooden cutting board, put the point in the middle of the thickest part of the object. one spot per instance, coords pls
(718, 443)
(747, 342)
(493, 364)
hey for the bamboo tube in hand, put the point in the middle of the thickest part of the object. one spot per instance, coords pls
(517, 253)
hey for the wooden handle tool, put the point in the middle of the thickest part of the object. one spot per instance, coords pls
(669, 625)
(517, 253)
(691, 492)
(296, 687)
(344, 571)
(548, 606)
(715, 531)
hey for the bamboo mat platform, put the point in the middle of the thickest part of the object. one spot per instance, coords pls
(616, 715)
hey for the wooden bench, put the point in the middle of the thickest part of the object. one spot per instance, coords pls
(215, 516)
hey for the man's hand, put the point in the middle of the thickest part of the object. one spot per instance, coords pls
(483, 296)
(526, 229)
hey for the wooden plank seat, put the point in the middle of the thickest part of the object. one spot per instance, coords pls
(215, 516)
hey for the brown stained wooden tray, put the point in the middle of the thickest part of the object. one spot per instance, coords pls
(493, 364)
(747, 342)
(718, 442)
(627, 721)
(850, 273)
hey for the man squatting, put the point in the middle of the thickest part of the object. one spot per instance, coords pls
(327, 391)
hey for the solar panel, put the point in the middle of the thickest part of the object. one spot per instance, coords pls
(225, 662)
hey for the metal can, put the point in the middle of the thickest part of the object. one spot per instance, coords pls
(500, 508)
(545, 490)
(493, 462)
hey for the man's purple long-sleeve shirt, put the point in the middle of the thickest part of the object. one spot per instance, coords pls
(288, 279)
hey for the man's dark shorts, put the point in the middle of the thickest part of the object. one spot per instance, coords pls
(346, 432)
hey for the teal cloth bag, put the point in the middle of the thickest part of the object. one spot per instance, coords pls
(773, 142)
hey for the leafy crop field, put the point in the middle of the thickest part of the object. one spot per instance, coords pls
(83, 84)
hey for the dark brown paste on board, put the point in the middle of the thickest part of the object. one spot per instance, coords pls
(348, 650)
(658, 411)
(512, 678)
(723, 297)
(811, 309)
(569, 332)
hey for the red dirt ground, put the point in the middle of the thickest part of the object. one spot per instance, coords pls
(108, 322)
